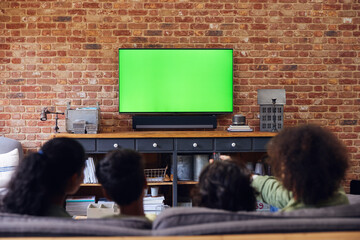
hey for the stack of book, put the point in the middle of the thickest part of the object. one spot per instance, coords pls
(77, 205)
(239, 128)
(89, 171)
(153, 205)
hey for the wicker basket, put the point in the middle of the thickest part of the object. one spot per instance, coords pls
(155, 174)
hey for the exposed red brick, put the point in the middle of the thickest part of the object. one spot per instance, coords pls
(15, 25)
(53, 51)
(259, 40)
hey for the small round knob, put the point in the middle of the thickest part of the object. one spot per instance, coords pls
(233, 144)
(195, 145)
(155, 145)
(116, 145)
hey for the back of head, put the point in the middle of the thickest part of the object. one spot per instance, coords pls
(309, 160)
(121, 174)
(225, 185)
(43, 175)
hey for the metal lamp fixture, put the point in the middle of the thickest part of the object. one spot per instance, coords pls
(43, 117)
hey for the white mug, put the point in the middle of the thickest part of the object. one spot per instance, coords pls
(250, 166)
(259, 168)
(154, 191)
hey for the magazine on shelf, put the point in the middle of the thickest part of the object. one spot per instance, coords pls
(239, 128)
(77, 205)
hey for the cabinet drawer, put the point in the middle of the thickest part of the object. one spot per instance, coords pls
(195, 144)
(155, 144)
(105, 145)
(233, 144)
(260, 143)
(88, 144)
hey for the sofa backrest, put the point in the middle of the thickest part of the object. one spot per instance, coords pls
(174, 221)
(291, 225)
(13, 225)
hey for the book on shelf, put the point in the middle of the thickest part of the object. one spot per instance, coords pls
(77, 205)
(154, 205)
(153, 200)
(89, 171)
(239, 128)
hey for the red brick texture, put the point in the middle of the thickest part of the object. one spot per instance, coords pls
(52, 52)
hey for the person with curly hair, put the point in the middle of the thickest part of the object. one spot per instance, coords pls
(309, 163)
(225, 185)
(44, 178)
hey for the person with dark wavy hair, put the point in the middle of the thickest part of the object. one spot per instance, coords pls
(122, 176)
(43, 179)
(225, 185)
(309, 163)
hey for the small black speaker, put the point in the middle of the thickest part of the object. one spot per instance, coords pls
(239, 120)
(174, 122)
(355, 187)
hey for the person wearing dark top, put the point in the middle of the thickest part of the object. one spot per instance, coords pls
(225, 185)
(43, 179)
(121, 173)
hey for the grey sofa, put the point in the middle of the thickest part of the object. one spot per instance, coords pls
(8, 144)
(192, 221)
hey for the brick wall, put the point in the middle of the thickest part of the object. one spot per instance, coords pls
(52, 52)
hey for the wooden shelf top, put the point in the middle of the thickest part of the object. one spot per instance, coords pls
(168, 134)
(149, 183)
(159, 183)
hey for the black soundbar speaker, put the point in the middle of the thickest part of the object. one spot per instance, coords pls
(174, 122)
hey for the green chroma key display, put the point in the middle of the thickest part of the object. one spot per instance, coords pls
(175, 80)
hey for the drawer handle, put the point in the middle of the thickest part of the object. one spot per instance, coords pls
(195, 145)
(155, 145)
(116, 145)
(233, 144)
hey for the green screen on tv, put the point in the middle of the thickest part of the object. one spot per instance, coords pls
(175, 80)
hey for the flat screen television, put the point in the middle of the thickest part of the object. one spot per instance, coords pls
(175, 81)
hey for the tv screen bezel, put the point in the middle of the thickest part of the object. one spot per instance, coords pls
(180, 113)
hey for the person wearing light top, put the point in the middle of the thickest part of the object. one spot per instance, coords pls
(309, 163)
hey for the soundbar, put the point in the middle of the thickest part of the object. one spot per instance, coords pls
(174, 122)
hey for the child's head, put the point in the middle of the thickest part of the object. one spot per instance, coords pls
(121, 174)
(51, 173)
(225, 185)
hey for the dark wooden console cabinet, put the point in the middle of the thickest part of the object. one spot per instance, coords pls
(174, 142)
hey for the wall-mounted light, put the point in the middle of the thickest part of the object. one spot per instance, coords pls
(43, 117)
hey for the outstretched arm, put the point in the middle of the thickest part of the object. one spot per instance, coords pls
(271, 191)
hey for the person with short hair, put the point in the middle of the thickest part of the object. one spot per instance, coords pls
(309, 163)
(43, 179)
(225, 185)
(121, 173)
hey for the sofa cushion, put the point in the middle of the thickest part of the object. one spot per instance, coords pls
(16, 225)
(8, 144)
(8, 163)
(353, 198)
(175, 217)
